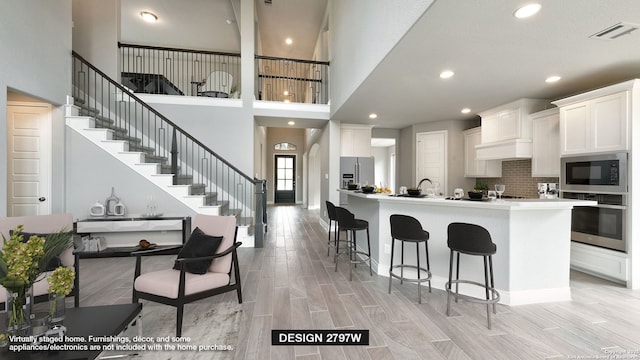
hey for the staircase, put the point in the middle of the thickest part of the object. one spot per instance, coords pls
(119, 123)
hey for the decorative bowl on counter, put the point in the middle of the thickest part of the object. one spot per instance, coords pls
(414, 192)
(352, 186)
(368, 189)
(476, 195)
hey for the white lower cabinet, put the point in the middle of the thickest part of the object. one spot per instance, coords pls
(474, 167)
(608, 264)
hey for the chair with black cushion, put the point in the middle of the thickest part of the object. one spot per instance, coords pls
(471, 239)
(207, 265)
(331, 213)
(350, 225)
(408, 229)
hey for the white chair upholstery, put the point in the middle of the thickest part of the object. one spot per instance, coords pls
(178, 287)
(217, 84)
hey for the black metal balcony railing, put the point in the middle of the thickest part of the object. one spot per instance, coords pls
(176, 151)
(291, 80)
(173, 71)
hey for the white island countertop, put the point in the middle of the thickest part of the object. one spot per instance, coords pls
(513, 204)
(533, 239)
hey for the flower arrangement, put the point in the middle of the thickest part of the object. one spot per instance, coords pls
(21, 264)
(60, 285)
(61, 280)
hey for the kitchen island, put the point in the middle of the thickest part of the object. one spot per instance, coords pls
(532, 238)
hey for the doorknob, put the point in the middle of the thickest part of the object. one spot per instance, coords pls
(42, 199)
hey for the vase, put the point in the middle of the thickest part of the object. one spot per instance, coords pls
(19, 306)
(56, 308)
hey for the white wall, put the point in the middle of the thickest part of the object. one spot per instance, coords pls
(31, 31)
(379, 25)
(94, 172)
(380, 154)
(226, 130)
(96, 32)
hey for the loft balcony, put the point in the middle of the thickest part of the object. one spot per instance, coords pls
(185, 72)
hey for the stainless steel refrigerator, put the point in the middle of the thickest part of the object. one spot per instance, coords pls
(359, 170)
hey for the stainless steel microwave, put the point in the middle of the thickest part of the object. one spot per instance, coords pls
(595, 173)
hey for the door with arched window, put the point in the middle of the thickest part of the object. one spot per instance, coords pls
(285, 179)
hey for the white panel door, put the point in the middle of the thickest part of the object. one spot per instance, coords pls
(29, 161)
(431, 158)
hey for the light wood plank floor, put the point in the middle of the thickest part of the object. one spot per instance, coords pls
(291, 284)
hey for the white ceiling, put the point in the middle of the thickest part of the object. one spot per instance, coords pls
(496, 57)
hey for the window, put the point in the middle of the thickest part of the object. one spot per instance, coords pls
(285, 146)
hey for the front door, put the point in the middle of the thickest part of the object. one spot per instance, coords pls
(285, 190)
(29, 160)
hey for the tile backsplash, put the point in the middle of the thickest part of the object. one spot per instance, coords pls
(516, 176)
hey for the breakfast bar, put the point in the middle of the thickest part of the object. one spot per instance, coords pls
(532, 238)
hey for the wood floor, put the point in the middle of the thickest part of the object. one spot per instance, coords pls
(291, 284)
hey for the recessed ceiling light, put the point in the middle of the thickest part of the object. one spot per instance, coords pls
(373, 116)
(291, 123)
(446, 74)
(149, 17)
(552, 79)
(286, 93)
(465, 110)
(288, 41)
(527, 10)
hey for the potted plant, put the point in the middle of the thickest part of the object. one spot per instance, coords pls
(479, 190)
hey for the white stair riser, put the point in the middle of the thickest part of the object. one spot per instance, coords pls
(114, 146)
(148, 169)
(98, 134)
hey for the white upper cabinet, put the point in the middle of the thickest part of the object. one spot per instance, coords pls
(596, 122)
(474, 167)
(545, 157)
(355, 140)
(510, 121)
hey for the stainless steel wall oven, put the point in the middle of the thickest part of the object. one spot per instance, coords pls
(601, 225)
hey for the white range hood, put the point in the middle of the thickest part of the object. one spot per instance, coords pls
(513, 149)
(507, 130)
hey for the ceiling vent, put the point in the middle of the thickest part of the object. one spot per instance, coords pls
(615, 31)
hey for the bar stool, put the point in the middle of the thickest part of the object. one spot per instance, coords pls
(348, 223)
(475, 240)
(331, 213)
(408, 229)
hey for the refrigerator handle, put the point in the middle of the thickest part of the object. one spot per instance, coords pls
(357, 172)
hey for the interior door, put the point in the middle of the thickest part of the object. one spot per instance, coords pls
(29, 159)
(285, 189)
(431, 159)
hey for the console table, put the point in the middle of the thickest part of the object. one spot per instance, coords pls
(122, 234)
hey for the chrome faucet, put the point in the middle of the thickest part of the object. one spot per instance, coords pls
(423, 180)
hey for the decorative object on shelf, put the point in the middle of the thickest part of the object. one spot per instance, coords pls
(60, 285)
(475, 194)
(500, 189)
(97, 209)
(22, 263)
(151, 207)
(112, 202)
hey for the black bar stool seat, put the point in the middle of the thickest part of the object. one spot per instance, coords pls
(470, 239)
(349, 224)
(408, 229)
